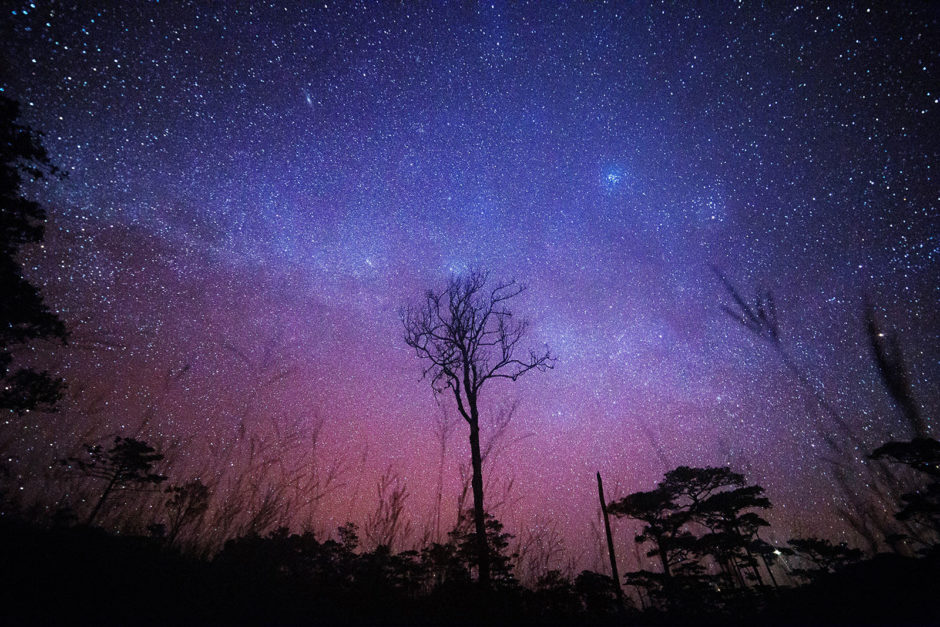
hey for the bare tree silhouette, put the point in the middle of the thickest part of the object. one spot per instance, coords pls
(468, 336)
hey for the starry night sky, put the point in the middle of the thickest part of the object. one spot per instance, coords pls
(254, 190)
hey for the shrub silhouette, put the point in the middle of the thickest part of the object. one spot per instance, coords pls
(920, 506)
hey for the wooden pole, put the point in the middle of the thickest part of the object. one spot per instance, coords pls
(610, 539)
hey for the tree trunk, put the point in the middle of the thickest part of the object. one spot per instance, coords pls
(610, 540)
(769, 572)
(753, 564)
(662, 557)
(668, 586)
(750, 558)
(479, 514)
(104, 497)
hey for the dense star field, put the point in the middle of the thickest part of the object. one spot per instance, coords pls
(255, 190)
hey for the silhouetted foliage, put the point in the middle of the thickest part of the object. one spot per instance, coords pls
(499, 557)
(128, 464)
(869, 490)
(444, 565)
(921, 454)
(823, 555)
(664, 528)
(759, 317)
(695, 513)
(288, 578)
(921, 505)
(24, 316)
(555, 596)
(598, 593)
(468, 336)
(733, 529)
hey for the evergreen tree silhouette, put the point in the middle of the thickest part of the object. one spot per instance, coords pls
(499, 558)
(823, 555)
(24, 316)
(694, 513)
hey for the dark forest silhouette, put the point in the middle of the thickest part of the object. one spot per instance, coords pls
(701, 526)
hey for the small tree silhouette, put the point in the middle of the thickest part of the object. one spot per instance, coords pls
(128, 464)
(823, 555)
(922, 505)
(500, 558)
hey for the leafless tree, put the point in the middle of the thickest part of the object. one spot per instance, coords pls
(468, 336)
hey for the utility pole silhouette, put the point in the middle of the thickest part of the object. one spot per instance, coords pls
(610, 540)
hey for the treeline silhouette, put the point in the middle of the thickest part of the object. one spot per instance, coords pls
(702, 526)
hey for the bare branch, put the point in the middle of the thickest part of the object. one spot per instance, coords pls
(468, 336)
